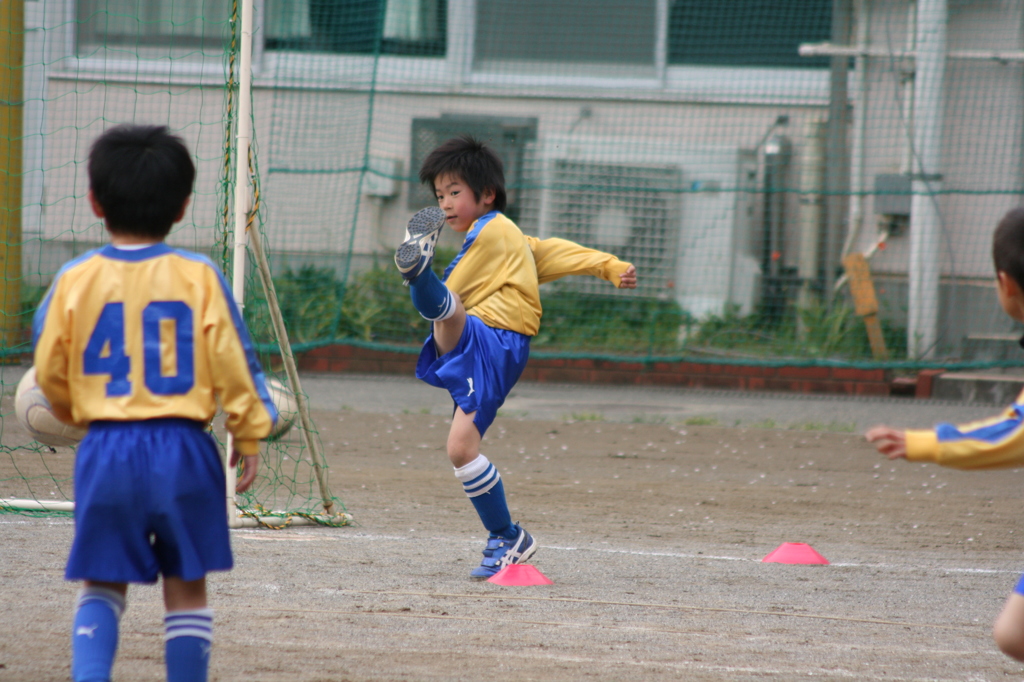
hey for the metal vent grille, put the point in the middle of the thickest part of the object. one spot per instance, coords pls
(631, 211)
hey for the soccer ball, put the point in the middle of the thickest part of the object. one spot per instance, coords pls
(287, 407)
(36, 415)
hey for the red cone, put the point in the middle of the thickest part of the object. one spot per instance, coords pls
(794, 553)
(519, 575)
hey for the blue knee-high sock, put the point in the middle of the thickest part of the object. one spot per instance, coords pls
(482, 483)
(188, 639)
(94, 634)
(431, 297)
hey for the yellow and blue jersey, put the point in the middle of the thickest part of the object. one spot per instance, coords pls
(133, 335)
(498, 272)
(991, 443)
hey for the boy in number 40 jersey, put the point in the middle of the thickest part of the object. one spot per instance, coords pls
(484, 312)
(137, 341)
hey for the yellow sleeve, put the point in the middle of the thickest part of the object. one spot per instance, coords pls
(250, 413)
(993, 443)
(557, 258)
(50, 355)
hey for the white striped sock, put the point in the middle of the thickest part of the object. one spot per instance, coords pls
(478, 477)
(193, 623)
(111, 597)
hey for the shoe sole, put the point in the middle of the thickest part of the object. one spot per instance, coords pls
(423, 225)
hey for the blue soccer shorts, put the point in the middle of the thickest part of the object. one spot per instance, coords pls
(480, 371)
(149, 500)
(1019, 589)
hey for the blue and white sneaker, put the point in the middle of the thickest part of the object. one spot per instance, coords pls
(417, 251)
(500, 552)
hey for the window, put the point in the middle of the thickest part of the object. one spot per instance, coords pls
(398, 27)
(576, 37)
(167, 28)
(721, 50)
(747, 32)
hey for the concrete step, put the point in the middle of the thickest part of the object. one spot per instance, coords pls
(996, 386)
(993, 347)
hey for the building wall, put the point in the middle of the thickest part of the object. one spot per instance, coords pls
(316, 125)
(983, 136)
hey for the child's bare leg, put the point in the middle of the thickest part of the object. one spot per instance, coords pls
(94, 635)
(120, 588)
(463, 438)
(1009, 627)
(181, 595)
(507, 543)
(480, 478)
(188, 627)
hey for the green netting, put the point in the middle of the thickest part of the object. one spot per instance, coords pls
(691, 138)
(176, 64)
(729, 149)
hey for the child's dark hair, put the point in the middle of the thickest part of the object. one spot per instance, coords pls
(471, 161)
(1008, 245)
(141, 175)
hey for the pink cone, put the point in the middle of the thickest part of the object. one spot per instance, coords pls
(794, 553)
(519, 575)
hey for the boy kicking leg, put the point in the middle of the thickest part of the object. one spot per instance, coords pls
(456, 363)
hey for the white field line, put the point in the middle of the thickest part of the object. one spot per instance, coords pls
(15, 520)
(262, 535)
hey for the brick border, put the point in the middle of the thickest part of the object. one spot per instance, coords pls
(823, 380)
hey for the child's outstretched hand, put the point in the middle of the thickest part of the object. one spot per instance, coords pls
(889, 441)
(627, 280)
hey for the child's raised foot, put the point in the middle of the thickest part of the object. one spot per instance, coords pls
(417, 251)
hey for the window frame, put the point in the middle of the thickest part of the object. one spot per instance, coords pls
(66, 63)
(455, 72)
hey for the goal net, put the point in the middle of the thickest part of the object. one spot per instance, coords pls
(63, 84)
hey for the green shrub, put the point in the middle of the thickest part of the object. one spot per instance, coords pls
(374, 307)
(585, 322)
(310, 302)
(838, 333)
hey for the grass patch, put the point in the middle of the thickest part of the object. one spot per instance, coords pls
(832, 427)
(700, 421)
(649, 419)
(583, 417)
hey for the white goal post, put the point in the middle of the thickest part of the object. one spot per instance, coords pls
(244, 213)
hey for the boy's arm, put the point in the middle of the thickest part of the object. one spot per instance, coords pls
(992, 443)
(238, 378)
(50, 354)
(557, 258)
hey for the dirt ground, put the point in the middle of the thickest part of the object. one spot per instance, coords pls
(653, 534)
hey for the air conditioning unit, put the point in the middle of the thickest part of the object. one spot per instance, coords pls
(682, 214)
